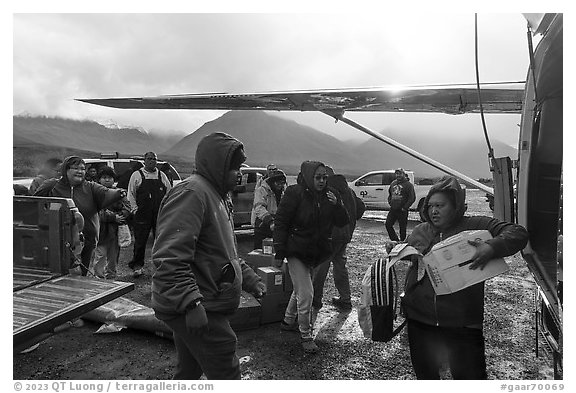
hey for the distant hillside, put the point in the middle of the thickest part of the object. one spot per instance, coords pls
(469, 157)
(267, 138)
(85, 135)
(270, 138)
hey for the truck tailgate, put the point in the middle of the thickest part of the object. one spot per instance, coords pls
(38, 309)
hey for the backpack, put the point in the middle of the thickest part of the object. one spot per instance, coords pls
(379, 302)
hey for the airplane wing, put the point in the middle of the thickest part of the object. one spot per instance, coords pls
(451, 99)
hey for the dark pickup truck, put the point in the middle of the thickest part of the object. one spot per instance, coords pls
(45, 294)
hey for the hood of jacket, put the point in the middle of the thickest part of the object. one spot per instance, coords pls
(213, 158)
(447, 184)
(339, 183)
(66, 164)
(306, 175)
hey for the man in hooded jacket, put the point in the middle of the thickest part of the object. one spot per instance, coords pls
(401, 196)
(199, 275)
(304, 220)
(452, 324)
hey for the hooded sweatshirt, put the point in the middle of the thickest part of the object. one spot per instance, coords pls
(195, 247)
(464, 308)
(305, 219)
(89, 197)
(401, 194)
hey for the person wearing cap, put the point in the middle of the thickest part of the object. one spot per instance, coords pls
(146, 189)
(269, 169)
(266, 200)
(401, 196)
(199, 276)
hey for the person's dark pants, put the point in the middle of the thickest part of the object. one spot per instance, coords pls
(463, 348)
(261, 233)
(340, 273)
(142, 229)
(87, 255)
(397, 215)
(213, 353)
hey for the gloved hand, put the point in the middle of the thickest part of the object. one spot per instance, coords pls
(260, 289)
(196, 320)
(484, 253)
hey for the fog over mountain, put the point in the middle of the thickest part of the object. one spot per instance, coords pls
(268, 138)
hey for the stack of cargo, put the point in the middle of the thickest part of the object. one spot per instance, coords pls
(270, 308)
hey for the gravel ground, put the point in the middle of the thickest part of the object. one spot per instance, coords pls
(267, 353)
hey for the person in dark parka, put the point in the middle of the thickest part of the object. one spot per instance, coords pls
(303, 226)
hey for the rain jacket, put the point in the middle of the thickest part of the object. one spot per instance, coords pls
(89, 197)
(305, 218)
(195, 249)
(464, 308)
(265, 205)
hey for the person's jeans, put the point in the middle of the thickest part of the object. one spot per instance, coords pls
(397, 215)
(340, 273)
(106, 258)
(463, 348)
(300, 303)
(213, 353)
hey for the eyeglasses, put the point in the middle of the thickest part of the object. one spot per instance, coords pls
(78, 168)
(321, 177)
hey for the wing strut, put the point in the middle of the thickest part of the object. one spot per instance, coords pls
(338, 115)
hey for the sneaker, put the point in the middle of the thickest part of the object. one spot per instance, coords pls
(138, 272)
(309, 345)
(289, 327)
(342, 304)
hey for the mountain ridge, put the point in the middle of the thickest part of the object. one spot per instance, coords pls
(267, 139)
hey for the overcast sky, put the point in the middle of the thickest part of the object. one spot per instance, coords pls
(59, 57)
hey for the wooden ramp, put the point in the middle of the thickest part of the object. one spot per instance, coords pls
(39, 308)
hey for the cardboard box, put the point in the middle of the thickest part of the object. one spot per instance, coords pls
(273, 278)
(448, 263)
(274, 307)
(247, 316)
(256, 258)
(268, 246)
